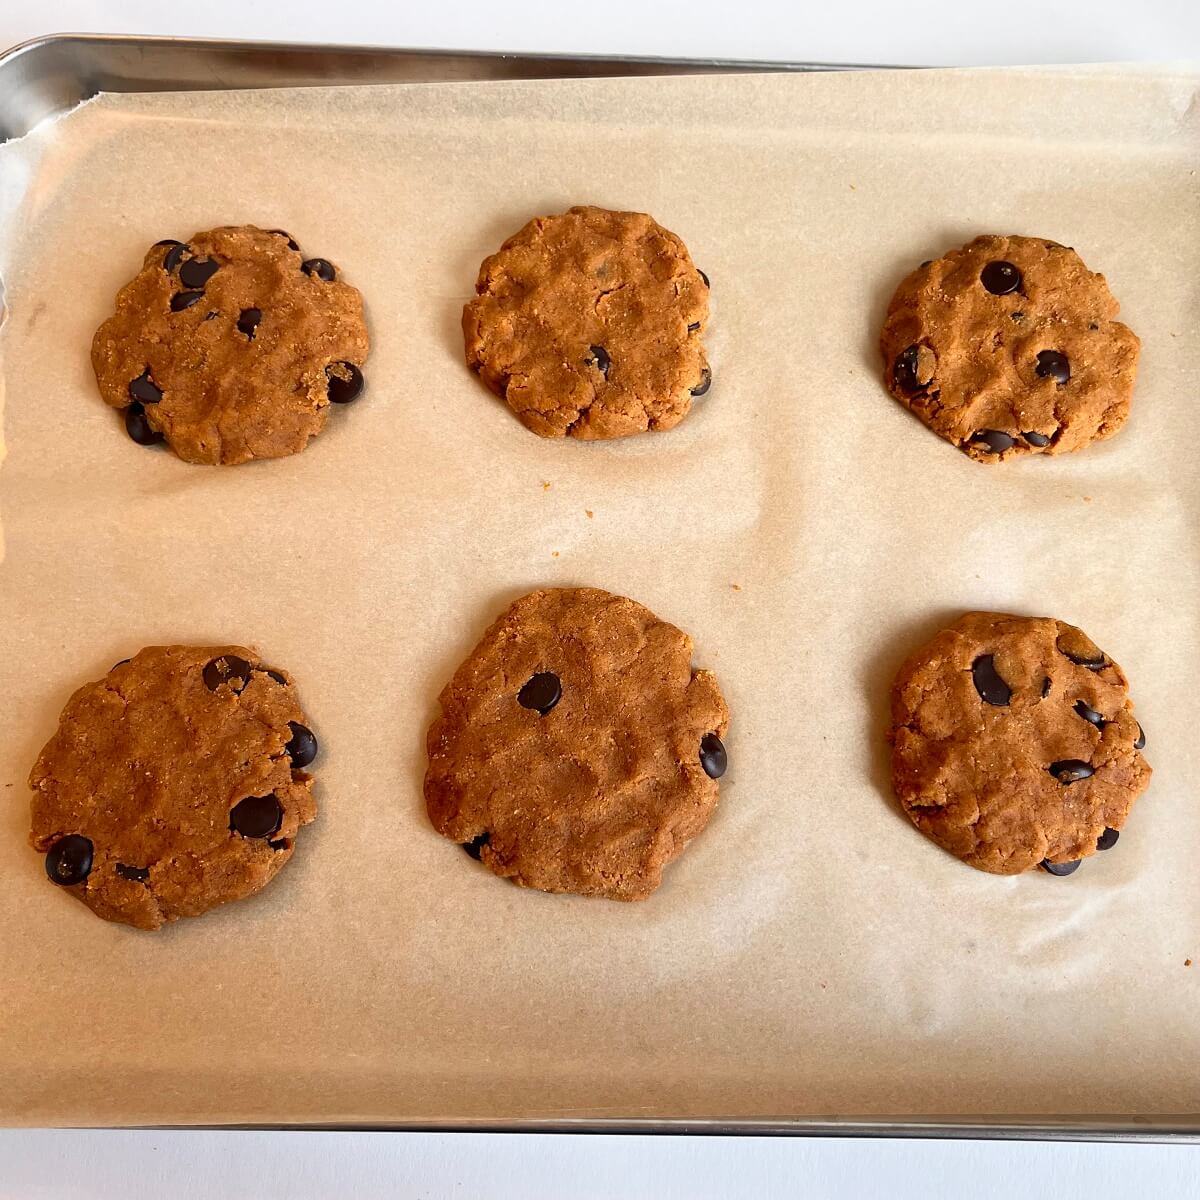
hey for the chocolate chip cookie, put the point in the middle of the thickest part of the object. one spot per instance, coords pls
(1014, 744)
(578, 750)
(174, 784)
(231, 346)
(1009, 346)
(589, 325)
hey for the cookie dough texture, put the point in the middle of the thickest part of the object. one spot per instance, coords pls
(986, 371)
(982, 713)
(244, 369)
(148, 764)
(597, 795)
(589, 325)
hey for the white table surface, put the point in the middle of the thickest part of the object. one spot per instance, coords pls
(38, 1165)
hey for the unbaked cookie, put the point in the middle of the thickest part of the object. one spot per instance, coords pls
(578, 750)
(174, 784)
(1014, 743)
(589, 325)
(1010, 346)
(231, 346)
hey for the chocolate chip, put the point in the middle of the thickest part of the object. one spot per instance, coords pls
(1140, 743)
(693, 326)
(291, 241)
(1108, 839)
(182, 300)
(991, 688)
(705, 382)
(1046, 685)
(344, 381)
(1071, 770)
(704, 277)
(256, 816)
(228, 669)
(1036, 439)
(276, 675)
(540, 693)
(137, 874)
(139, 428)
(713, 758)
(1080, 650)
(173, 255)
(1000, 277)
(1053, 364)
(196, 272)
(1018, 317)
(599, 359)
(1090, 714)
(914, 367)
(994, 441)
(1067, 868)
(302, 749)
(69, 860)
(144, 389)
(248, 320)
(322, 268)
(120, 664)
(475, 847)
(280, 844)
(927, 263)
(211, 316)
(1093, 325)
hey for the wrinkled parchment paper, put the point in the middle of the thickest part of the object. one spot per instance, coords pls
(811, 954)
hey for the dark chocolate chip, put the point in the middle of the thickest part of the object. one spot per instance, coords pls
(302, 749)
(256, 816)
(713, 758)
(913, 368)
(1141, 739)
(704, 277)
(994, 441)
(1090, 714)
(599, 359)
(279, 843)
(345, 382)
(182, 300)
(1053, 364)
(991, 688)
(322, 268)
(475, 847)
(1071, 770)
(144, 389)
(137, 874)
(704, 384)
(1046, 685)
(228, 669)
(1108, 839)
(291, 241)
(139, 428)
(69, 860)
(1036, 439)
(172, 256)
(1000, 277)
(276, 675)
(1093, 325)
(1067, 868)
(211, 316)
(248, 320)
(196, 272)
(120, 664)
(540, 693)
(693, 326)
(1018, 317)
(1093, 662)
(927, 263)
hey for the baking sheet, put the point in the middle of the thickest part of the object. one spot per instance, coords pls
(811, 955)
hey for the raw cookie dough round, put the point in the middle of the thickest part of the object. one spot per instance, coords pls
(231, 346)
(173, 784)
(589, 325)
(577, 750)
(1014, 743)
(1010, 346)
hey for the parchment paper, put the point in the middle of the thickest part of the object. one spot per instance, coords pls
(811, 954)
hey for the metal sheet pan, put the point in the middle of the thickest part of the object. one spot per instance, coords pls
(44, 78)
